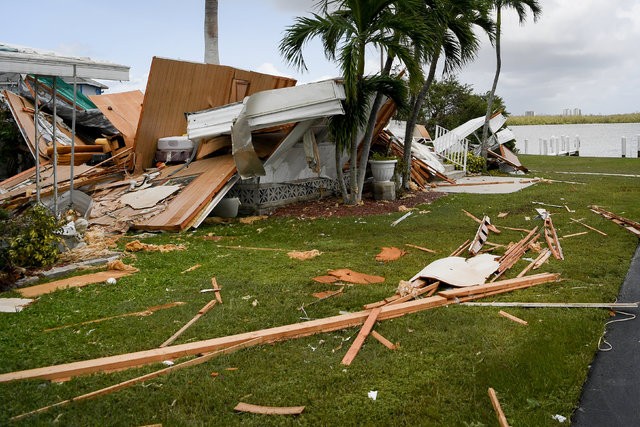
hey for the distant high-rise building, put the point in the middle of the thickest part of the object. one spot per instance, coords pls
(529, 113)
(566, 112)
(577, 112)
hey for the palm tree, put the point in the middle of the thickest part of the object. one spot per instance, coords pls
(520, 6)
(211, 55)
(453, 22)
(346, 29)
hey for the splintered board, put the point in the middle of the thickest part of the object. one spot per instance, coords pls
(213, 174)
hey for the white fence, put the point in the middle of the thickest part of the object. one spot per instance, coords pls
(451, 147)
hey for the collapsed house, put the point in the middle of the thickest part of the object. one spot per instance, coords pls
(201, 135)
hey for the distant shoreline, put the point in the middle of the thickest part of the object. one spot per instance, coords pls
(569, 120)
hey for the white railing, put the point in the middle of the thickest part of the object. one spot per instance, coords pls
(451, 147)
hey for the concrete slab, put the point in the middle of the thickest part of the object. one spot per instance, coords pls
(486, 185)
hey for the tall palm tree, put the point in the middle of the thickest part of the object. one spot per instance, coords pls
(346, 29)
(211, 55)
(453, 22)
(520, 6)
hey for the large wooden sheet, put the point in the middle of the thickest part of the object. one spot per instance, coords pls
(213, 174)
(177, 87)
(123, 111)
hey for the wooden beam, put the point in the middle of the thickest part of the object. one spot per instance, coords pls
(269, 410)
(193, 362)
(588, 226)
(502, 419)
(500, 285)
(512, 317)
(420, 291)
(543, 254)
(479, 221)
(216, 289)
(613, 305)
(362, 335)
(71, 282)
(385, 342)
(202, 311)
(278, 333)
(421, 248)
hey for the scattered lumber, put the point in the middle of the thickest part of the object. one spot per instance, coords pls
(516, 251)
(431, 251)
(479, 221)
(362, 335)
(630, 225)
(385, 342)
(502, 419)
(546, 253)
(327, 294)
(512, 317)
(146, 312)
(551, 237)
(574, 234)
(346, 275)
(269, 410)
(216, 289)
(461, 248)
(588, 226)
(390, 254)
(193, 362)
(202, 311)
(419, 291)
(279, 333)
(71, 282)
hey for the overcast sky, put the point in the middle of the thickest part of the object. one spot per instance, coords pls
(580, 54)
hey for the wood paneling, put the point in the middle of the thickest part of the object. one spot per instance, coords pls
(177, 87)
(123, 111)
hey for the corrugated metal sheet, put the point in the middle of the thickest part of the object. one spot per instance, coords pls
(177, 87)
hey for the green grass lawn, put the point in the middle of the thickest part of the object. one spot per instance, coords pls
(447, 357)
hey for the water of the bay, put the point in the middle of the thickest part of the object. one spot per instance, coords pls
(596, 140)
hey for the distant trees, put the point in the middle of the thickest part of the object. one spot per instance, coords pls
(450, 103)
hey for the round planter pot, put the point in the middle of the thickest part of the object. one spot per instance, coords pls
(382, 170)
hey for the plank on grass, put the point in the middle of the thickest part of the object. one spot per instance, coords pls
(269, 410)
(362, 335)
(382, 340)
(71, 282)
(502, 420)
(512, 317)
(187, 325)
(279, 333)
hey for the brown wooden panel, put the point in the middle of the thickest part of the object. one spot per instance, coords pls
(195, 196)
(177, 87)
(123, 111)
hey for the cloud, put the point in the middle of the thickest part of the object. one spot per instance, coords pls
(295, 5)
(269, 68)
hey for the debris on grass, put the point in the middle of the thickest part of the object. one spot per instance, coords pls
(137, 246)
(512, 317)
(120, 266)
(269, 410)
(304, 255)
(191, 268)
(390, 254)
(350, 276)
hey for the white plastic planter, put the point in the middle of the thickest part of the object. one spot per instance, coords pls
(382, 170)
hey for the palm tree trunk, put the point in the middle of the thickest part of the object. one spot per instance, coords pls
(340, 174)
(413, 119)
(484, 148)
(211, 55)
(371, 124)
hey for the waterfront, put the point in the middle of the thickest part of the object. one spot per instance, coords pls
(596, 140)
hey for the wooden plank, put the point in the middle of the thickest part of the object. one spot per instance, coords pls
(431, 251)
(421, 291)
(502, 419)
(543, 254)
(202, 311)
(461, 248)
(588, 226)
(362, 335)
(193, 362)
(382, 340)
(278, 333)
(479, 221)
(613, 305)
(194, 197)
(71, 282)
(512, 317)
(500, 285)
(269, 410)
(216, 289)
(552, 239)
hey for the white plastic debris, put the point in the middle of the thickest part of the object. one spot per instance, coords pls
(559, 418)
(168, 362)
(373, 394)
(255, 302)
(111, 281)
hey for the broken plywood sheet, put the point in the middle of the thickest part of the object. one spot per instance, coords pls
(167, 98)
(123, 111)
(184, 207)
(148, 197)
(390, 254)
(458, 271)
(350, 276)
(71, 282)
(304, 255)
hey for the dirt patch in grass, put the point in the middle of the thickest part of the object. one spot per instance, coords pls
(334, 207)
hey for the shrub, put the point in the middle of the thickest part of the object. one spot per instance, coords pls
(33, 241)
(475, 164)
